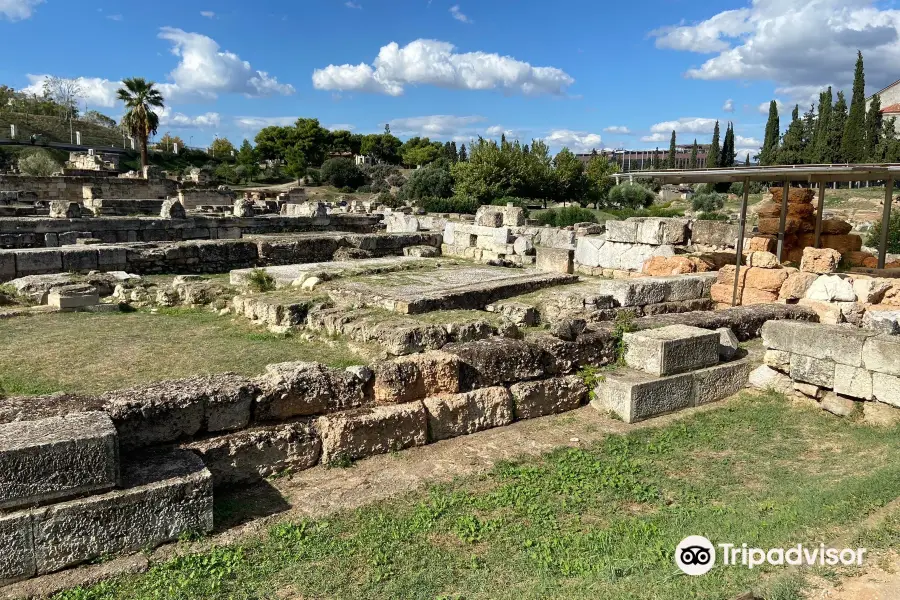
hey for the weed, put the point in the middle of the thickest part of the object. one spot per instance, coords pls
(341, 460)
(260, 281)
(623, 324)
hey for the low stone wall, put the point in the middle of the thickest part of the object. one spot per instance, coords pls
(44, 232)
(72, 188)
(193, 198)
(105, 207)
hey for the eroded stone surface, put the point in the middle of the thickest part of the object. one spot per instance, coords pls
(453, 415)
(548, 396)
(363, 432)
(670, 350)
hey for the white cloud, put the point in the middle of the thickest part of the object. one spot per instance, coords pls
(576, 141)
(746, 142)
(797, 43)
(436, 125)
(458, 14)
(656, 137)
(764, 107)
(95, 92)
(684, 125)
(728, 106)
(179, 120)
(208, 14)
(432, 62)
(260, 122)
(17, 10)
(340, 127)
(618, 129)
(351, 4)
(206, 71)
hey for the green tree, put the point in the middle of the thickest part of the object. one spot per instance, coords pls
(874, 121)
(38, 164)
(453, 153)
(712, 157)
(342, 141)
(273, 142)
(572, 183)
(599, 174)
(221, 148)
(769, 153)
(418, 151)
(463, 155)
(694, 150)
(431, 181)
(248, 159)
(295, 162)
(822, 151)
(726, 158)
(836, 129)
(853, 144)
(654, 162)
(673, 150)
(791, 151)
(342, 173)
(141, 98)
(312, 140)
(631, 195)
(167, 143)
(808, 137)
(382, 146)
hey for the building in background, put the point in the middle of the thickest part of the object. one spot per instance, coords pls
(642, 160)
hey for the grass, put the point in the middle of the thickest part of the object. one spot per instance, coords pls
(598, 522)
(90, 353)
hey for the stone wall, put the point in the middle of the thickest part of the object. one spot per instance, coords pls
(193, 198)
(45, 232)
(72, 188)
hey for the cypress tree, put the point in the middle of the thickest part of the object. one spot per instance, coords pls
(655, 162)
(873, 128)
(822, 151)
(693, 163)
(853, 145)
(791, 151)
(672, 149)
(836, 130)
(454, 154)
(773, 132)
(463, 156)
(747, 160)
(712, 157)
(727, 157)
(809, 133)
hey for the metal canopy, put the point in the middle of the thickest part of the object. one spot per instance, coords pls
(780, 173)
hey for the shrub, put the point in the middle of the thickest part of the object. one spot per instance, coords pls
(364, 189)
(708, 202)
(428, 182)
(737, 188)
(631, 195)
(711, 216)
(38, 164)
(260, 281)
(653, 211)
(563, 217)
(456, 204)
(341, 173)
(874, 238)
(313, 177)
(388, 199)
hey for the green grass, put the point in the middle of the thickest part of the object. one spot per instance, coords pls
(596, 523)
(90, 353)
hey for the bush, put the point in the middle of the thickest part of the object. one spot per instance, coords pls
(563, 217)
(364, 189)
(737, 188)
(653, 211)
(874, 238)
(341, 173)
(631, 195)
(38, 164)
(428, 182)
(313, 177)
(708, 202)
(260, 281)
(388, 199)
(711, 216)
(457, 204)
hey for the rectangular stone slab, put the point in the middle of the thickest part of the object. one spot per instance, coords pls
(670, 350)
(721, 381)
(653, 290)
(634, 396)
(57, 457)
(165, 494)
(16, 548)
(843, 345)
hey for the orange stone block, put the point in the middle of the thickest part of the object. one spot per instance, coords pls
(769, 280)
(672, 265)
(795, 195)
(761, 243)
(842, 243)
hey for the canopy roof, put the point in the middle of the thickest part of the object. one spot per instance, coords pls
(777, 173)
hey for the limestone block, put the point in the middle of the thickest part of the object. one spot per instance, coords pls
(517, 312)
(364, 432)
(401, 223)
(886, 388)
(254, 454)
(882, 354)
(796, 285)
(7, 265)
(882, 321)
(421, 251)
(768, 379)
(111, 257)
(769, 280)
(523, 245)
(820, 260)
(778, 360)
(853, 382)
(64, 209)
(548, 396)
(671, 350)
(843, 345)
(829, 313)
(16, 539)
(73, 296)
(51, 240)
(762, 259)
(831, 288)
(555, 260)
(57, 457)
(653, 290)
(812, 370)
(489, 216)
(870, 291)
(78, 259)
(416, 377)
(720, 381)
(554, 237)
(38, 261)
(296, 389)
(658, 231)
(496, 361)
(714, 233)
(164, 495)
(461, 414)
(836, 227)
(728, 343)
(635, 396)
(808, 389)
(596, 251)
(69, 238)
(842, 243)
(837, 405)
(625, 231)
(172, 208)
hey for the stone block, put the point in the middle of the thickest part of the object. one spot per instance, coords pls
(7, 265)
(38, 261)
(837, 405)
(73, 296)
(882, 321)
(78, 259)
(671, 350)
(882, 354)
(416, 377)
(364, 432)
(517, 312)
(453, 415)
(853, 382)
(796, 285)
(817, 371)
(768, 379)
(555, 260)
(57, 457)
(808, 389)
(653, 290)
(253, 454)
(762, 259)
(870, 291)
(553, 237)
(16, 540)
(778, 360)
(549, 396)
(843, 345)
(111, 257)
(886, 388)
(714, 233)
(498, 361)
(728, 343)
(297, 389)
(831, 288)
(829, 313)
(820, 260)
(51, 240)
(721, 381)
(635, 396)
(596, 251)
(164, 495)
(625, 231)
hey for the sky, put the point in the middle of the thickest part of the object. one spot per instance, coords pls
(580, 74)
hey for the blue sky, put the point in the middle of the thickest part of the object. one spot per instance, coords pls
(577, 73)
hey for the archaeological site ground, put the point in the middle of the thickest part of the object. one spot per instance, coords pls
(207, 393)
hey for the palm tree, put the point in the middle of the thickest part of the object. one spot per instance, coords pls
(140, 97)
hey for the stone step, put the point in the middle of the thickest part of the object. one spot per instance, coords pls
(286, 275)
(58, 457)
(670, 350)
(164, 495)
(635, 396)
(653, 290)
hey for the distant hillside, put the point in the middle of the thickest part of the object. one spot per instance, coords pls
(55, 129)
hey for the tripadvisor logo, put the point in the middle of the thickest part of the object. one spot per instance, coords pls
(696, 555)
